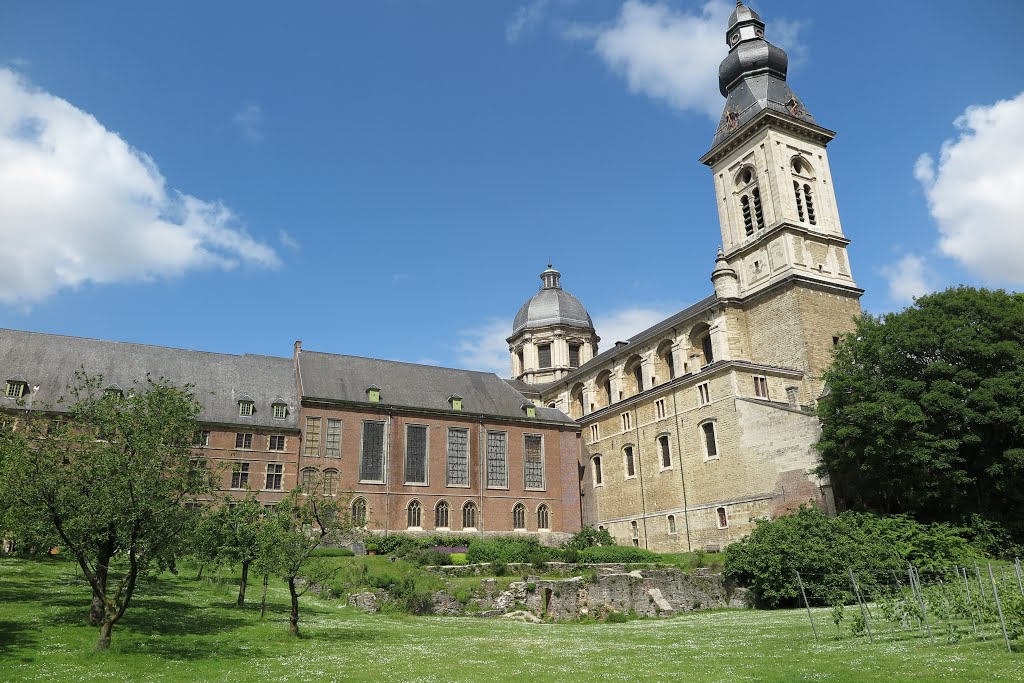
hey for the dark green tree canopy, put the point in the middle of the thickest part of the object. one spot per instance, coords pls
(924, 413)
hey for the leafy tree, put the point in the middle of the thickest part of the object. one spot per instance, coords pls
(111, 476)
(925, 410)
(588, 537)
(292, 530)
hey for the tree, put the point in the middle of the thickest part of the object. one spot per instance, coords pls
(293, 529)
(111, 475)
(924, 413)
(231, 534)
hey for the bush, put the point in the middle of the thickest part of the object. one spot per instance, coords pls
(507, 550)
(824, 548)
(425, 557)
(616, 553)
(459, 558)
(588, 537)
(332, 552)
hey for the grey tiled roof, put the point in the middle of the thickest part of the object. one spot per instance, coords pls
(334, 377)
(50, 361)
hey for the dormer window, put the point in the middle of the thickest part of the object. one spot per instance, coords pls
(246, 407)
(113, 392)
(455, 401)
(373, 393)
(17, 387)
(529, 409)
(280, 410)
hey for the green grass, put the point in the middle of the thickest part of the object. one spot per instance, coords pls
(180, 629)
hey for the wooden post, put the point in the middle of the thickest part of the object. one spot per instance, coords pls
(915, 580)
(807, 605)
(999, 607)
(860, 601)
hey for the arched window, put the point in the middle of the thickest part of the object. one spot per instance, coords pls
(359, 512)
(799, 201)
(635, 373)
(469, 515)
(519, 516)
(636, 533)
(758, 213)
(810, 205)
(415, 515)
(672, 524)
(604, 383)
(441, 515)
(598, 473)
(723, 518)
(543, 517)
(576, 401)
(710, 440)
(306, 478)
(330, 482)
(748, 222)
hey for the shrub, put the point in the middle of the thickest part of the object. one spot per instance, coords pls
(425, 557)
(506, 549)
(332, 552)
(459, 558)
(588, 537)
(616, 553)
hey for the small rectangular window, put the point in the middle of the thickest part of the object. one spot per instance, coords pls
(202, 438)
(243, 440)
(15, 389)
(239, 475)
(280, 411)
(574, 355)
(595, 433)
(627, 422)
(276, 442)
(274, 475)
(703, 394)
(458, 457)
(246, 408)
(630, 465)
(761, 387)
(497, 460)
(659, 408)
(312, 449)
(666, 454)
(533, 461)
(332, 445)
(371, 464)
(415, 454)
(544, 356)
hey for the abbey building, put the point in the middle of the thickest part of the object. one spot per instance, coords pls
(675, 439)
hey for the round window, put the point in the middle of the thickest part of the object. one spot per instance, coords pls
(747, 176)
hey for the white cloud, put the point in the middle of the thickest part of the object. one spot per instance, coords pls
(78, 204)
(908, 278)
(672, 55)
(249, 121)
(484, 347)
(622, 324)
(524, 20)
(287, 240)
(975, 188)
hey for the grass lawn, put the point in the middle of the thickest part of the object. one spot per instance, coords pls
(181, 629)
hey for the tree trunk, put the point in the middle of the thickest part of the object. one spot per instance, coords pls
(293, 624)
(241, 586)
(200, 574)
(263, 602)
(105, 627)
(96, 610)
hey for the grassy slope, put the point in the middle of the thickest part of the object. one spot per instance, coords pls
(185, 630)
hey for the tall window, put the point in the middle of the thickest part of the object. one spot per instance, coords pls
(635, 532)
(415, 515)
(543, 517)
(810, 205)
(469, 515)
(606, 386)
(544, 356)
(627, 422)
(333, 441)
(710, 442)
(638, 377)
(748, 220)
(330, 482)
(709, 351)
(627, 454)
(799, 201)
(595, 432)
(666, 454)
(306, 478)
(497, 460)
(598, 474)
(672, 524)
(703, 393)
(275, 473)
(415, 454)
(758, 213)
(276, 442)
(441, 515)
(239, 475)
(723, 518)
(761, 387)
(243, 440)
(458, 457)
(312, 448)
(202, 438)
(519, 516)
(359, 512)
(659, 408)
(574, 355)
(533, 461)
(371, 463)
(671, 363)
(522, 364)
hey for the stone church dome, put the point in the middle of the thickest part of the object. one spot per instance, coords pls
(552, 305)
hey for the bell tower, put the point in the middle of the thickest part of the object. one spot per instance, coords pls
(773, 184)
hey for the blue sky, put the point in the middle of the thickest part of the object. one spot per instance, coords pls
(388, 179)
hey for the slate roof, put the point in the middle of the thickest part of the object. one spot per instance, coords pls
(332, 377)
(50, 361)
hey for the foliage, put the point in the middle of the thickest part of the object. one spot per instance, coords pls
(617, 553)
(508, 549)
(111, 477)
(459, 558)
(332, 552)
(588, 537)
(925, 411)
(824, 548)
